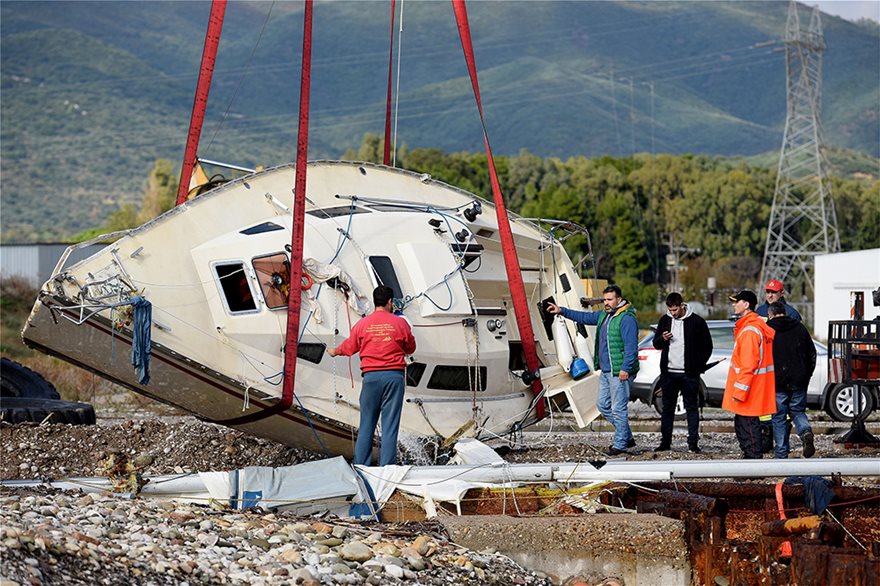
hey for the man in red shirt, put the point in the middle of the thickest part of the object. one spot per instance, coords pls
(383, 341)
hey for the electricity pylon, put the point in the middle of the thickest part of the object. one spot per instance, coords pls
(803, 223)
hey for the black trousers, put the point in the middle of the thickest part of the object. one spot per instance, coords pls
(672, 384)
(748, 433)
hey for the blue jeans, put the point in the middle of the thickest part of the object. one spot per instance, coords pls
(613, 404)
(381, 393)
(794, 404)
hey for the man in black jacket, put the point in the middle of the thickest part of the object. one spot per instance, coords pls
(794, 358)
(686, 343)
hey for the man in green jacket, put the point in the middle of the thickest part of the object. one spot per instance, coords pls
(615, 356)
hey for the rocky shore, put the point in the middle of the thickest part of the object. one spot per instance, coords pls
(47, 537)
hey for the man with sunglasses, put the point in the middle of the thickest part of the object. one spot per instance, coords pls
(774, 291)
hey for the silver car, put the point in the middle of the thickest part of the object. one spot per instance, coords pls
(835, 399)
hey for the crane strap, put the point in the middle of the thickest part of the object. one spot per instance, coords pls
(294, 301)
(508, 247)
(200, 104)
(386, 156)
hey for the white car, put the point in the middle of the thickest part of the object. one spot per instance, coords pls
(835, 399)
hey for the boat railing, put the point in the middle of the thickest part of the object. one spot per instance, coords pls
(112, 236)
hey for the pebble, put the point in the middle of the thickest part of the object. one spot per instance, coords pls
(154, 543)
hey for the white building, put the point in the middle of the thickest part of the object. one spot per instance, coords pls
(836, 275)
(35, 262)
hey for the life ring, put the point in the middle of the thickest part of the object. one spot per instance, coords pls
(307, 282)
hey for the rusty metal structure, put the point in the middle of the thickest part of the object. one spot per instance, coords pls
(736, 537)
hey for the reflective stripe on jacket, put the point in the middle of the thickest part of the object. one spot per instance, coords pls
(751, 383)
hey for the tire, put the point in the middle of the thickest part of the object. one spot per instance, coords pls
(680, 413)
(840, 402)
(17, 380)
(25, 409)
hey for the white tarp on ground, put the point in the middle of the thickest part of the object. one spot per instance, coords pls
(329, 484)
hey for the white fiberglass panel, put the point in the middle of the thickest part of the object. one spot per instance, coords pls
(435, 278)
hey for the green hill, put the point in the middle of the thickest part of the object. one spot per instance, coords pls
(94, 92)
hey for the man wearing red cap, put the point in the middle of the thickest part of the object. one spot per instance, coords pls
(775, 291)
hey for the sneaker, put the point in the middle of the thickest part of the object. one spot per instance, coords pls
(809, 446)
(695, 448)
(631, 443)
(612, 451)
(664, 447)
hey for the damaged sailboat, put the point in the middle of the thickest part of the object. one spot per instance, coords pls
(216, 272)
(208, 296)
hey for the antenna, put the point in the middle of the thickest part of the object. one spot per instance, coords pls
(803, 223)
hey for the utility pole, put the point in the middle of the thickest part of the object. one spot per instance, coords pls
(803, 222)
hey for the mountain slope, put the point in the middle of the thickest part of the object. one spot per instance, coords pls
(94, 92)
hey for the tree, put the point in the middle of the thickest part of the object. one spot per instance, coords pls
(161, 191)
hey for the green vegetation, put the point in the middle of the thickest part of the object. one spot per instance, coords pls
(632, 206)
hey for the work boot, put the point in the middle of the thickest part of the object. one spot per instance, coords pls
(664, 446)
(631, 443)
(692, 446)
(809, 446)
(612, 451)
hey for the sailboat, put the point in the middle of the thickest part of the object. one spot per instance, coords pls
(201, 296)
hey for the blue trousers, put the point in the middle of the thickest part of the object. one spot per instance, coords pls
(794, 404)
(381, 393)
(613, 404)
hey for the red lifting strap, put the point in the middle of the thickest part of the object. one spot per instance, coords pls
(386, 157)
(511, 261)
(200, 104)
(294, 300)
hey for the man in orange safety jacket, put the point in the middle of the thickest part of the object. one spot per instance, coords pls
(751, 384)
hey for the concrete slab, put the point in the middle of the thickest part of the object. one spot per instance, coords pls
(637, 548)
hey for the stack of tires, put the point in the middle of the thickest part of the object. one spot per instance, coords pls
(26, 396)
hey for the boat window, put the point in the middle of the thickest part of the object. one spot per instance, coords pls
(455, 378)
(517, 358)
(336, 211)
(261, 228)
(385, 273)
(414, 373)
(273, 274)
(313, 352)
(234, 283)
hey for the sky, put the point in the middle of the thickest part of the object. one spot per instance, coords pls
(849, 9)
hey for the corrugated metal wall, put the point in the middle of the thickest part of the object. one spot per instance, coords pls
(35, 262)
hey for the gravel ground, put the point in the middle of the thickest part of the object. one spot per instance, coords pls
(48, 537)
(52, 538)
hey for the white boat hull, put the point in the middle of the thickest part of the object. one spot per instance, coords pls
(218, 327)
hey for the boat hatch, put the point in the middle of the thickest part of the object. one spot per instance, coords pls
(261, 228)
